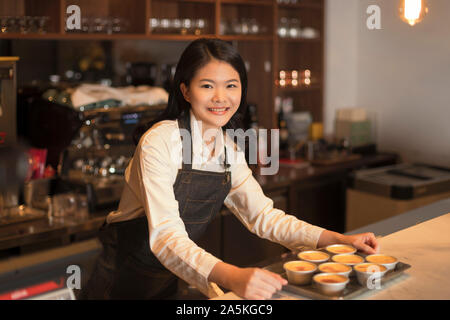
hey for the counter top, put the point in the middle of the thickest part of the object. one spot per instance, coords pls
(423, 243)
(426, 248)
(24, 233)
(287, 174)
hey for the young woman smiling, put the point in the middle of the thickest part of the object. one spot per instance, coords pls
(168, 201)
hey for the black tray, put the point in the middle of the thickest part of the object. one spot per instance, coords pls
(352, 290)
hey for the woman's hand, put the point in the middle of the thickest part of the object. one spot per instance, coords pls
(248, 283)
(365, 242)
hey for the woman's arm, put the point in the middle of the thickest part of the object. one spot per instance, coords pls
(248, 202)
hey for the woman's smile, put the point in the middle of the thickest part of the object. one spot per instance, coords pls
(219, 111)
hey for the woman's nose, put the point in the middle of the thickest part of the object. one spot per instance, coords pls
(219, 96)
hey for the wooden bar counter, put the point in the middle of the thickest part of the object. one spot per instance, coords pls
(283, 188)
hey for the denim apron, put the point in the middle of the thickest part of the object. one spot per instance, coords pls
(127, 269)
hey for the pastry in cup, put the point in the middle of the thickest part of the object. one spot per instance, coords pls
(330, 284)
(388, 261)
(367, 272)
(336, 268)
(340, 249)
(299, 272)
(314, 256)
(348, 259)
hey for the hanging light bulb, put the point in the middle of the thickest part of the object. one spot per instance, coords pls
(413, 11)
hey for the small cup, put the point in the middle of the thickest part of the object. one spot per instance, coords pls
(330, 284)
(340, 249)
(314, 256)
(299, 272)
(388, 261)
(364, 271)
(335, 268)
(348, 259)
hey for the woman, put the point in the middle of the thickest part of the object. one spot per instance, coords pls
(168, 200)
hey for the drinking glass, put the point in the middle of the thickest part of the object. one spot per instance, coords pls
(82, 211)
(200, 25)
(294, 28)
(42, 24)
(283, 27)
(59, 207)
(85, 24)
(4, 23)
(236, 26)
(22, 23)
(254, 26)
(154, 25)
(99, 25)
(165, 25)
(175, 25)
(186, 26)
(224, 27)
(245, 26)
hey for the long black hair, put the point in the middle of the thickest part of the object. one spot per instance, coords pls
(197, 54)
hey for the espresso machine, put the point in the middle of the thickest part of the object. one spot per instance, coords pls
(95, 161)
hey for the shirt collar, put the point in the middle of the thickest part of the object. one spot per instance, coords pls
(199, 149)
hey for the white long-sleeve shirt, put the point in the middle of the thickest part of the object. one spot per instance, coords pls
(149, 180)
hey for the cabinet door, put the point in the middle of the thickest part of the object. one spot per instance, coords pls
(321, 201)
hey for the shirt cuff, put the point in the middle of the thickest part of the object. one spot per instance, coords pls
(313, 236)
(210, 289)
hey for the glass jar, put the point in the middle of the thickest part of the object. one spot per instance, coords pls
(283, 27)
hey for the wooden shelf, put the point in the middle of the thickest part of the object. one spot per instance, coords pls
(265, 53)
(300, 88)
(249, 2)
(131, 36)
(177, 37)
(300, 40)
(300, 5)
(194, 1)
(246, 37)
(32, 36)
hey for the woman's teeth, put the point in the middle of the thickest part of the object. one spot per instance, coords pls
(218, 109)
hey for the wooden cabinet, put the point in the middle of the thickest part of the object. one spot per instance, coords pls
(256, 36)
(321, 201)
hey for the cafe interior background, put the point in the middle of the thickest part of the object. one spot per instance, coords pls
(359, 94)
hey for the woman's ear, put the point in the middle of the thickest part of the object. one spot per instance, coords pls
(185, 92)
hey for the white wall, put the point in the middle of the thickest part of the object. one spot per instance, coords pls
(402, 74)
(341, 54)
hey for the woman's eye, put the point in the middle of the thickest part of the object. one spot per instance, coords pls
(232, 86)
(206, 86)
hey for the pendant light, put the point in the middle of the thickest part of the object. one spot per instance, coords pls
(413, 11)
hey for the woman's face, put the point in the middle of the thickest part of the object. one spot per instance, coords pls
(214, 94)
